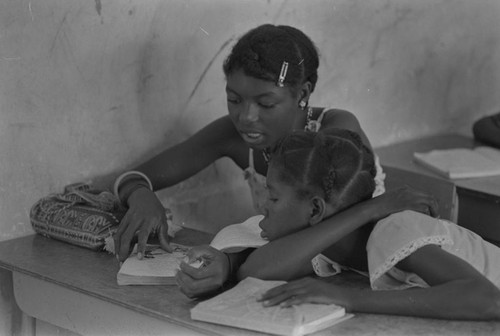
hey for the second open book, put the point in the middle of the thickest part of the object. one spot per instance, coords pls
(238, 307)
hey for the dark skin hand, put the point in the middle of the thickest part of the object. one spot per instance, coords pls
(198, 282)
(126, 231)
(207, 279)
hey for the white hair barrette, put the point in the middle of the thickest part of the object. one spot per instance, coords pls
(282, 76)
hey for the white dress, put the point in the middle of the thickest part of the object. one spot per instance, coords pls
(399, 235)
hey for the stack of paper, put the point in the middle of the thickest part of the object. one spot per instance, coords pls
(458, 163)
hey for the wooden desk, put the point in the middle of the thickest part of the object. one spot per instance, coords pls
(75, 288)
(478, 198)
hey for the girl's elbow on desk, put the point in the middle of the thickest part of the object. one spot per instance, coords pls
(472, 300)
(477, 302)
(491, 299)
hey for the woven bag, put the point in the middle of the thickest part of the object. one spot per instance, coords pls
(80, 215)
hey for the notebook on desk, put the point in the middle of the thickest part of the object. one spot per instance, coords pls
(238, 307)
(460, 163)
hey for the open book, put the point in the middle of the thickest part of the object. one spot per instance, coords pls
(238, 307)
(159, 267)
(460, 163)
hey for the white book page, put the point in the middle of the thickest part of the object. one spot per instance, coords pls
(462, 162)
(489, 152)
(155, 263)
(239, 307)
(236, 237)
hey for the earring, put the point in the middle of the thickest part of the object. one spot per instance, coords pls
(302, 104)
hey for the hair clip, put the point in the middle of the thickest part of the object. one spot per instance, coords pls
(282, 76)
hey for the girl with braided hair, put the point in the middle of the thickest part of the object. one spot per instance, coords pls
(270, 75)
(452, 272)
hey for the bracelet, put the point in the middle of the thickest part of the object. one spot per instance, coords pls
(131, 172)
(230, 266)
(128, 192)
(231, 279)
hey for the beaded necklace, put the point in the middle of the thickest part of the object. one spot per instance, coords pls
(311, 126)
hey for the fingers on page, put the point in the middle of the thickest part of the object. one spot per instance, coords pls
(119, 233)
(142, 242)
(164, 237)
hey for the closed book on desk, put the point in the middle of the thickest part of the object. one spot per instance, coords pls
(238, 307)
(157, 267)
(458, 163)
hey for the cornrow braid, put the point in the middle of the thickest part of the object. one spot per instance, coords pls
(260, 53)
(329, 183)
(309, 53)
(333, 163)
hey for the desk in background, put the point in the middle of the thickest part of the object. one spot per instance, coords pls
(478, 205)
(75, 289)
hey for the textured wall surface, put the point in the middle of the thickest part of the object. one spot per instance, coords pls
(90, 88)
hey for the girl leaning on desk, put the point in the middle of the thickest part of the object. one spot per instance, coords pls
(417, 265)
(270, 75)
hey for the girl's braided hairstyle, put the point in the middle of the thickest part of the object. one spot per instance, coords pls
(333, 162)
(261, 52)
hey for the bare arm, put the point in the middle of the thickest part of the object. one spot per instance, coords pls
(187, 158)
(168, 168)
(290, 257)
(346, 120)
(458, 291)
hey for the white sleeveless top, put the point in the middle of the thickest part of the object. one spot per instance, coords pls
(257, 182)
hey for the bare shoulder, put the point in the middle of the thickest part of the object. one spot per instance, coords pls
(340, 119)
(337, 118)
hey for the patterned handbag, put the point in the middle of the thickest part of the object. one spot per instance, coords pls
(80, 215)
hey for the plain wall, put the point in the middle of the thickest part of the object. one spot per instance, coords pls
(90, 88)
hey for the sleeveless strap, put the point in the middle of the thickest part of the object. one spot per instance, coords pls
(250, 157)
(314, 125)
(320, 118)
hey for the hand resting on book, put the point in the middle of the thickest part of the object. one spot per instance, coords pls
(305, 290)
(239, 308)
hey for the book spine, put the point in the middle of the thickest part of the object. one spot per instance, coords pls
(244, 323)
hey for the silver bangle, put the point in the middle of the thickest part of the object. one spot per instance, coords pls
(131, 172)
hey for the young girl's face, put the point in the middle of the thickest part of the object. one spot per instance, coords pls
(261, 112)
(285, 212)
